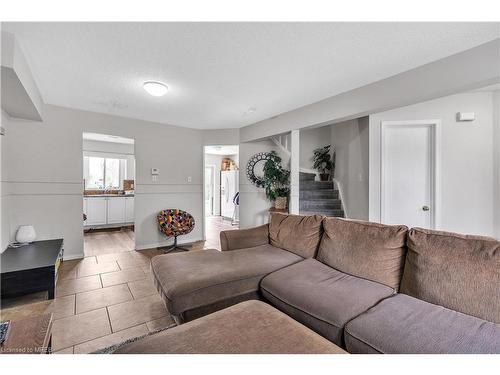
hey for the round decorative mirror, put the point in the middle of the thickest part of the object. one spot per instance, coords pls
(255, 168)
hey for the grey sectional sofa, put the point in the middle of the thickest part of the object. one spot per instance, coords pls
(366, 287)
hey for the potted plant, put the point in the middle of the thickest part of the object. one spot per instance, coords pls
(276, 180)
(323, 162)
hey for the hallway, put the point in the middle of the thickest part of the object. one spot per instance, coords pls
(214, 225)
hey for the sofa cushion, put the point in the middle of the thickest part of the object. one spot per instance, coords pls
(320, 297)
(369, 250)
(250, 327)
(403, 324)
(198, 278)
(296, 233)
(244, 238)
(456, 271)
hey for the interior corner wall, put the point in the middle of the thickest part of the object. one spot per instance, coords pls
(350, 142)
(254, 206)
(311, 139)
(45, 172)
(467, 160)
(496, 164)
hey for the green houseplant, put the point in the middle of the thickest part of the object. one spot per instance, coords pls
(323, 162)
(277, 181)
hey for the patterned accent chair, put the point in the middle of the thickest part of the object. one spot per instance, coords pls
(173, 223)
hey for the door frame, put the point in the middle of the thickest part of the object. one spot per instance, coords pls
(435, 126)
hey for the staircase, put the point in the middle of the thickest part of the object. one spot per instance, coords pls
(318, 197)
(283, 142)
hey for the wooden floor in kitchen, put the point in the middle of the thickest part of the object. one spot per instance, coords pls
(106, 297)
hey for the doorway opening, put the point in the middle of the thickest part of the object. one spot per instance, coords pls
(220, 191)
(108, 195)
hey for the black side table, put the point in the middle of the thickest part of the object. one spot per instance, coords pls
(32, 268)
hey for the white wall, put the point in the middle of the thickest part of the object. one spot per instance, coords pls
(221, 137)
(350, 141)
(4, 197)
(43, 167)
(496, 165)
(109, 147)
(467, 153)
(254, 206)
(311, 139)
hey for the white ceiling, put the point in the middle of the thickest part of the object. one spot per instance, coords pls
(107, 138)
(226, 75)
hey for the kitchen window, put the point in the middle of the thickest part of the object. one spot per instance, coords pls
(103, 173)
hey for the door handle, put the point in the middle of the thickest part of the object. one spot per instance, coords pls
(425, 208)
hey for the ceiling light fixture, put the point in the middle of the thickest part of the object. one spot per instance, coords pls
(250, 111)
(155, 88)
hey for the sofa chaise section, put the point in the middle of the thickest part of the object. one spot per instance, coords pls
(405, 325)
(195, 283)
(250, 327)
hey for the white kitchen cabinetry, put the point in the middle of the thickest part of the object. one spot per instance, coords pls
(112, 211)
(96, 211)
(116, 210)
(129, 209)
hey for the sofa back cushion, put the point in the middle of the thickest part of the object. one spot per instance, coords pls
(370, 250)
(296, 233)
(460, 272)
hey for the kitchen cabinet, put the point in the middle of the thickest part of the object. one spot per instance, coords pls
(116, 210)
(96, 211)
(129, 209)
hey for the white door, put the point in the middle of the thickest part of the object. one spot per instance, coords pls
(116, 210)
(96, 211)
(408, 173)
(129, 209)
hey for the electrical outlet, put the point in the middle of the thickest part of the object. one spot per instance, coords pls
(2, 131)
(190, 179)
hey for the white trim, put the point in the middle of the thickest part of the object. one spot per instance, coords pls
(212, 167)
(435, 126)
(294, 204)
(341, 197)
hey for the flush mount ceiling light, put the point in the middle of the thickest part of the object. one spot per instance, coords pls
(250, 111)
(155, 88)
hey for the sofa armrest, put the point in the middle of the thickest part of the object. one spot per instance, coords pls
(243, 238)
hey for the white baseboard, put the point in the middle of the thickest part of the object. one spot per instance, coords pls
(166, 243)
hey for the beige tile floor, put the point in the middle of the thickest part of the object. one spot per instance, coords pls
(106, 297)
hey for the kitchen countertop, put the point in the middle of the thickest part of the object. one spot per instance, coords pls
(108, 195)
